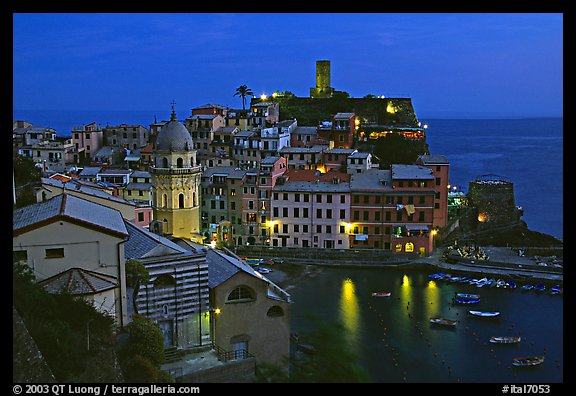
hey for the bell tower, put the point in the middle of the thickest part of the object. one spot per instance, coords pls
(176, 181)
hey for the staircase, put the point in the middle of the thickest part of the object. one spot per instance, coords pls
(172, 354)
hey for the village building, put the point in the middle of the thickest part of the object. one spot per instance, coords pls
(126, 136)
(87, 140)
(66, 237)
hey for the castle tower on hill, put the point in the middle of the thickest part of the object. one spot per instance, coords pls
(176, 182)
(323, 88)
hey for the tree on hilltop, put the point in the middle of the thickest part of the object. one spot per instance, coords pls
(243, 91)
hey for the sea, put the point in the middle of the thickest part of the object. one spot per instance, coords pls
(391, 336)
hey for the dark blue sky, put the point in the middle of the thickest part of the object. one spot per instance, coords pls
(491, 64)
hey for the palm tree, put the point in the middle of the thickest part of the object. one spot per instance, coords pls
(243, 91)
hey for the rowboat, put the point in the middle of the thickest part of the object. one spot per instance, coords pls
(443, 321)
(381, 294)
(528, 361)
(467, 300)
(484, 313)
(527, 287)
(540, 287)
(505, 339)
(555, 289)
(468, 295)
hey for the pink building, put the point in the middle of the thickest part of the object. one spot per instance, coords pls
(87, 140)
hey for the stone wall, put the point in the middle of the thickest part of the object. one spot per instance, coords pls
(240, 371)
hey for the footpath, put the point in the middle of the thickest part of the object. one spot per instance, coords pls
(502, 261)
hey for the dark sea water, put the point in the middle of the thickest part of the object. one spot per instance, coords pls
(395, 342)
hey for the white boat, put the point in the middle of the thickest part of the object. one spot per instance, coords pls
(505, 339)
(484, 313)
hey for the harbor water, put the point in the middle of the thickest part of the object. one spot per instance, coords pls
(395, 341)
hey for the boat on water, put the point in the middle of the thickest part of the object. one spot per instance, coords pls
(459, 300)
(500, 283)
(489, 314)
(468, 295)
(527, 287)
(482, 282)
(528, 361)
(540, 287)
(443, 321)
(381, 294)
(510, 284)
(555, 289)
(505, 339)
(437, 275)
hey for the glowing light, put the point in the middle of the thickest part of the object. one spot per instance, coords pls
(434, 232)
(217, 311)
(390, 108)
(432, 293)
(425, 126)
(213, 244)
(275, 94)
(263, 97)
(349, 310)
(482, 217)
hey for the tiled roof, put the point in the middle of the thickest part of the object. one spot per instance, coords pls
(434, 159)
(371, 180)
(401, 171)
(78, 281)
(66, 206)
(84, 188)
(221, 267)
(143, 243)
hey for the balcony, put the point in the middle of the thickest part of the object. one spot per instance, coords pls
(174, 171)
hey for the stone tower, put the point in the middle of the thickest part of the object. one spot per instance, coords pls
(176, 182)
(323, 88)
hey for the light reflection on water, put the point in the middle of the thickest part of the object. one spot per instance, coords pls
(349, 311)
(395, 341)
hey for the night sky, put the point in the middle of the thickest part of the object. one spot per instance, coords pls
(491, 64)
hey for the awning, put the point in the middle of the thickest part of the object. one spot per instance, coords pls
(417, 227)
(361, 237)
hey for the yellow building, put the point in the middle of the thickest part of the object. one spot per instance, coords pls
(175, 176)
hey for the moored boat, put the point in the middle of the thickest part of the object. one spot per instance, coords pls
(467, 300)
(540, 287)
(505, 339)
(527, 287)
(468, 295)
(528, 361)
(484, 313)
(555, 289)
(443, 321)
(500, 283)
(381, 294)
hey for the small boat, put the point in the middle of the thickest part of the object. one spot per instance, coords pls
(437, 275)
(505, 339)
(540, 287)
(527, 287)
(468, 295)
(482, 282)
(467, 300)
(528, 361)
(443, 321)
(500, 283)
(484, 313)
(510, 284)
(492, 282)
(555, 289)
(381, 294)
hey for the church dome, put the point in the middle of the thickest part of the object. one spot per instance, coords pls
(174, 136)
